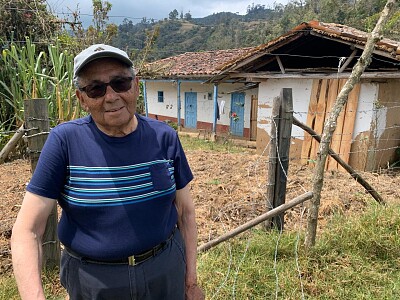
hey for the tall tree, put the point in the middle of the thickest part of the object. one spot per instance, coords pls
(100, 31)
(173, 15)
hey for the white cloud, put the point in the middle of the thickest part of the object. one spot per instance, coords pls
(157, 9)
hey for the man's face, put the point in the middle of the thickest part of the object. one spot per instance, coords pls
(114, 111)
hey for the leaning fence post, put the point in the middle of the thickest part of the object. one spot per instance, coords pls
(272, 158)
(37, 128)
(284, 139)
(281, 130)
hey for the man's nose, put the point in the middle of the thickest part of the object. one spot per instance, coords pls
(110, 94)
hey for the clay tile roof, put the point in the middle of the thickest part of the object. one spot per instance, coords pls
(210, 63)
(332, 30)
(351, 34)
(192, 64)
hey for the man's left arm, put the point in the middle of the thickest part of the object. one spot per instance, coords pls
(188, 228)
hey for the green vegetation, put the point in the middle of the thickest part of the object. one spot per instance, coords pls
(261, 24)
(37, 48)
(51, 283)
(356, 257)
(27, 73)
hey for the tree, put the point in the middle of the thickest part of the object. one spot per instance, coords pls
(188, 16)
(99, 32)
(330, 124)
(173, 15)
(22, 18)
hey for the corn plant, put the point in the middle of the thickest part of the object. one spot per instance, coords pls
(63, 102)
(21, 76)
(26, 73)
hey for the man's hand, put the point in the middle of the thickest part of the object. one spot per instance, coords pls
(194, 292)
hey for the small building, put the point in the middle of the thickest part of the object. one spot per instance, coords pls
(315, 59)
(232, 91)
(175, 90)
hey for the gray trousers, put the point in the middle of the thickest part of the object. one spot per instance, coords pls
(160, 277)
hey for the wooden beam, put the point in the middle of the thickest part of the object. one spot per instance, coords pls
(355, 43)
(348, 61)
(278, 59)
(266, 75)
(256, 221)
(353, 173)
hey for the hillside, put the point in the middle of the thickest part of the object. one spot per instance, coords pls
(225, 30)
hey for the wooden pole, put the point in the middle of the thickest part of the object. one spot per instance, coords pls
(37, 127)
(272, 159)
(353, 173)
(285, 131)
(256, 221)
(330, 124)
(11, 144)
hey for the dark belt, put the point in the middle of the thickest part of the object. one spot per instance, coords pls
(131, 260)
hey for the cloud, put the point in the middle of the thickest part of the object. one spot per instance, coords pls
(157, 9)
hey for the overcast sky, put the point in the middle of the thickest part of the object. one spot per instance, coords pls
(156, 9)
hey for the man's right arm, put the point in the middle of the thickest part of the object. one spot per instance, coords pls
(26, 244)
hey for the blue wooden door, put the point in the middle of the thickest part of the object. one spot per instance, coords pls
(237, 114)
(190, 109)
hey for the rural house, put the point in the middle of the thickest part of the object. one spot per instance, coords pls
(314, 60)
(175, 90)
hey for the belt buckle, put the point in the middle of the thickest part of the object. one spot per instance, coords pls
(131, 260)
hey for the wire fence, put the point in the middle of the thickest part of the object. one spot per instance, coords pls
(251, 202)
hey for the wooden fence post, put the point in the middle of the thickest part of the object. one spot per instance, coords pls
(281, 130)
(37, 127)
(272, 158)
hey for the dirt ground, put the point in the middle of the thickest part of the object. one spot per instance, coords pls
(228, 190)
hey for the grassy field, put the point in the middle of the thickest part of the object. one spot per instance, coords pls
(356, 256)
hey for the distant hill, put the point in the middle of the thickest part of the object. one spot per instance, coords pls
(226, 30)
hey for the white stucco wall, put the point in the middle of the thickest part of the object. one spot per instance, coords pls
(205, 106)
(368, 95)
(301, 92)
(167, 108)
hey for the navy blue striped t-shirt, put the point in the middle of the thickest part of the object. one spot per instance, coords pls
(116, 193)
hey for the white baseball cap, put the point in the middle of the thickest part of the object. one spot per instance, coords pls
(99, 51)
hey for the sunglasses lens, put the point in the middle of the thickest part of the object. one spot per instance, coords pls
(122, 84)
(96, 90)
(119, 85)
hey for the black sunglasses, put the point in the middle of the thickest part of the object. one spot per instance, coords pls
(98, 89)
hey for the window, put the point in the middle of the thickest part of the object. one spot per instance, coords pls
(160, 96)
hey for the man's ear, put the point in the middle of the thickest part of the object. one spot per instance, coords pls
(81, 100)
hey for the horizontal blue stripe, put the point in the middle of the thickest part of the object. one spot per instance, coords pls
(107, 194)
(118, 201)
(107, 184)
(130, 167)
(105, 171)
(106, 179)
(126, 188)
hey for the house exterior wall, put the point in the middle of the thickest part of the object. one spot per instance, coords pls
(167, 110)
(301, 93)
(268, 90)
(385, 128)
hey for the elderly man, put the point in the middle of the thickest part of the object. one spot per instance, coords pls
(128, 219)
